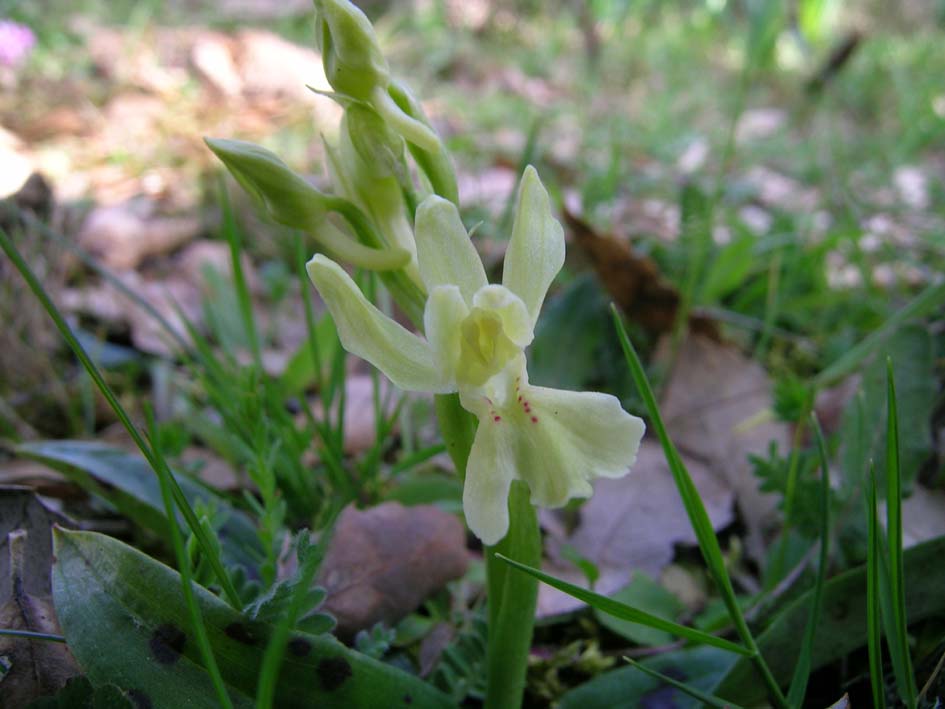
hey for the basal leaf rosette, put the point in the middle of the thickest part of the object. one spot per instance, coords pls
(476, 334)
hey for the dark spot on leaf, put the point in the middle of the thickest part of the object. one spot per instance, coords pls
(408, 699)
(240, 633)
(840, 610)
(167, 643)
(139, 699)
(300, 647)
(333, 672)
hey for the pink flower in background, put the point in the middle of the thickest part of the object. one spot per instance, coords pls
(16, 41)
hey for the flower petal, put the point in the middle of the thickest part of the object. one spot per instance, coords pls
(442, 321)
(565, 439)
(444, 251)
(489, 475)
(536, 249)
(365, 331)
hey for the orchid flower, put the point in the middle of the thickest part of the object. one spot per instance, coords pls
(476, 334)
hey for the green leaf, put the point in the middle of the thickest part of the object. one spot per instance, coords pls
(300, 373)
(643, 593)
(874, 626)
(578, 315)
(625, 612)
(911, 351)
(897, 634)
(706, 699)
(729, 268)
(842, 627)
(798, 686)
(126, 481)
(126, 623)
(78, 693)
(627, 688)
(927, 301)
(698, 517)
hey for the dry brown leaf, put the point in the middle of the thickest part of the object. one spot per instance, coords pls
(359, 422)
(17, 163)
(28, 473)
(124, 235)
(489, 188)
(384, 561)
(211, 469)
(923, 515)
(630, 524)
(633, 281)
(35, 667)
(711, 405)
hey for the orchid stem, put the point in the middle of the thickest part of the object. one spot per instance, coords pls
(512, 599)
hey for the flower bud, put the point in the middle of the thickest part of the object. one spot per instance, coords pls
(354, 64)
(293, 202)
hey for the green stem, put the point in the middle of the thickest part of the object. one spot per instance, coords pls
(511, 601)
(511, 595)
(458, 428)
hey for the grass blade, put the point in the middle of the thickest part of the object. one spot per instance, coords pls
(625, 612)
(929, 299)
(183, 562)
(874, 623)
(179, 498)
(706, 699)
(898, 637)
(231, 232)
(798, 687)
(708, 542)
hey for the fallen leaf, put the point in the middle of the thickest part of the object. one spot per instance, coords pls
(490, 188)
(193, 260)
(211, 469)
(630, 524)
(923, 515)
(17, 163)
(433, 645)
(271, 65)
(694, 156)
(125, 234)
(360, 424)
(212, 56)
(758, 124)
(168, 296)
(35, 667)
(713, 405)
(27, 473)
(261, 10)
(775, 189)
(634, 281)
(384, 561)
(912, 184)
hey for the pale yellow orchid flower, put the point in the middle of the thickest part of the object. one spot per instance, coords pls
(476, 334)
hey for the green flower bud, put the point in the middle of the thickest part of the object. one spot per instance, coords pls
(354, 64)
(293, 202)
(380, 149)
